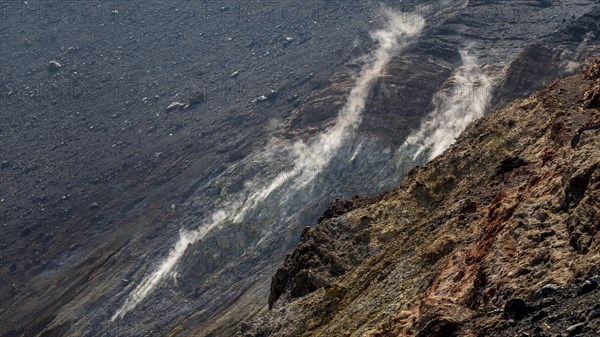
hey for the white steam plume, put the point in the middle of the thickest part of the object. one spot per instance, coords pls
(309, 159)
(466, 100)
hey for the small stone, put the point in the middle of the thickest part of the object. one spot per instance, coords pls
(468, 206)
(176, 106)
(94, 205)
(594, 314)
(576, 329)
(516, 308)
(588, 286)
(439, 327)
(552, 318)
(539, 316)
(272, 95)
(262, 98)
(541, 215)
(545, 291)
(245, 327)
(54, 66)
(196, 98)
(509, 164)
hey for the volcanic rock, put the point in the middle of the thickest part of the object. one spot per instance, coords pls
(422, 264)
(54, 66)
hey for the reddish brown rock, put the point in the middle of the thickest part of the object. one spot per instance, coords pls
(469, 259)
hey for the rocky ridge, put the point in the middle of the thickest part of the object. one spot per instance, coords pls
(498, 236)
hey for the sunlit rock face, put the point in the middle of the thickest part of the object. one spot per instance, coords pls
(104, 184)
(497, 236)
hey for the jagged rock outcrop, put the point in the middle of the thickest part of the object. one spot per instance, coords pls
(498, 236)
(591, 97)
(315, 263)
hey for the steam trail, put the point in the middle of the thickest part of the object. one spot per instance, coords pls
(465, 101)
(309, 159)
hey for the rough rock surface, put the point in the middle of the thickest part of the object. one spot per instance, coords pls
(98, 178)
(315, 264)
(498, 236)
